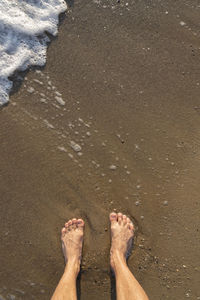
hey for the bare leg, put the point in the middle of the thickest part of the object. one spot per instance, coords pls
(122, 231)
(72, 240)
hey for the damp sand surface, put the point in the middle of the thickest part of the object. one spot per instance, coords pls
(111, 123)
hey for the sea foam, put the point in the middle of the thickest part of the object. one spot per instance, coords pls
(23, 38)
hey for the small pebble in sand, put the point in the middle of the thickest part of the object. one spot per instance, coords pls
(60, 100)
(165, 203)
(137, 203)
(142, 217)
(38, 81)
(88, 133)
(109, 180)
(10, 296)
(182, 23)
(39, 72)
(75, 147)
(58, 94)
(30, 90)
(137, 147)
(113, 167)
(70, 155)
(187, 295)
(32, 283)
(48, 124)
(184, 266)
(61, 148)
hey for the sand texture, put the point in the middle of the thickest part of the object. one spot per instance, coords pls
(111, 122)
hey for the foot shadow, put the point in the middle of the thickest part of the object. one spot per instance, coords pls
(113, 286)
(78, 286)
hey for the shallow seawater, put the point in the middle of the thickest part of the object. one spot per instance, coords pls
(23, 38)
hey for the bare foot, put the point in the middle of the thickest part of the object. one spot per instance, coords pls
(72, 241)
(122, 231)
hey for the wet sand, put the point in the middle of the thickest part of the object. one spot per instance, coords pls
(129, 76)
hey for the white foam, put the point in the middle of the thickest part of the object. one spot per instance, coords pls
(23, 39)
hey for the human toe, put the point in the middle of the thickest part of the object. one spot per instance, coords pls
(74, 223)
(113, 217)
(66, 225)
(119, 218)
(80, 223)
(63, 232)
(124, 217)
(131, 226)
(128, 220)
(69, 225)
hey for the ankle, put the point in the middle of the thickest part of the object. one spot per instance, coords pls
(117, 255)
(73, 266)
(117, 258)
